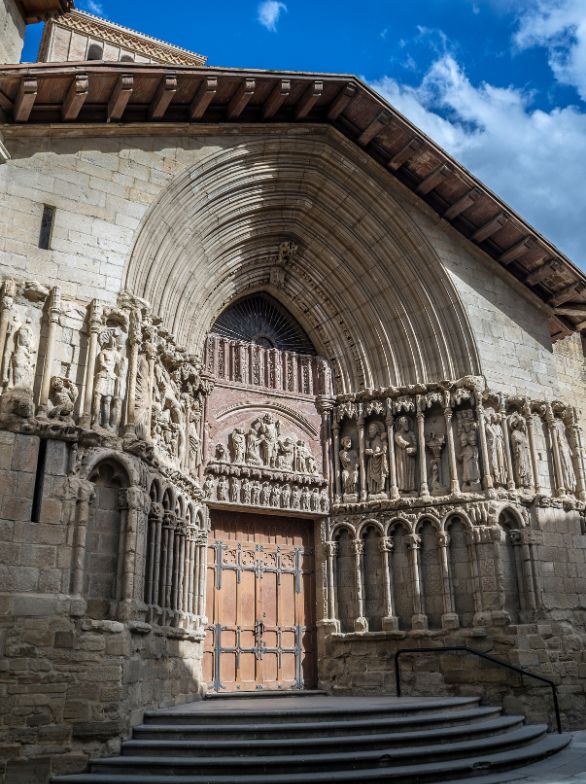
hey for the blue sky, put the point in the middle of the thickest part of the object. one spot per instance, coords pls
(501, 84)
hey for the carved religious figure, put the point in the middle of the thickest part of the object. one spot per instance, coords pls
(255, 493)
(63, 395)
(287, 454)
(265, 494)
(296, 497)
(286, 496)
(520, 451)
(406, 443)
(252, 446)
(468, 455)
(305, 499)
(269, 440)
(19, 372)
(194, 440)
(262, 445)
(496, 448)
(246, 490)
(566, 458)
(208, 488)
(222, 489)
(109, 383)
(349, 464)
(238, 445)
(377, 464)
(234, 489)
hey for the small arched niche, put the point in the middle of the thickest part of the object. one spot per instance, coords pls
(95, 52)
(105, 539)
(511, 566)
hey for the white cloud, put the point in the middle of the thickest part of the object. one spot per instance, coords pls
(93, 7)
(560, 26)
(533, 159)
(269, 13)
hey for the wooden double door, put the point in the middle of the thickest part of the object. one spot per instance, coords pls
(260, 603)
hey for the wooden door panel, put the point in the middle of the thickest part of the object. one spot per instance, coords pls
(261, 602)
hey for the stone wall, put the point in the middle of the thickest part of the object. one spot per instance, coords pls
(12, 27)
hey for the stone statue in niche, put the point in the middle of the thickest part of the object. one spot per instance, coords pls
(265, 494)
(108, 395)
(377, 465)
(276, 497)
(19, 370)
(468, 455)
(246, 491)
(435, 443)
(304, 461)
(406, 443)
(234, 490)
(496, 447)
(349, 464)
(286, 496)
(296, 497)
(306, 499)
(208, 488)
(194, 440)
(520, 451)
(566, 457)
(63, 395)
(255, 493)
(222, 489)
(314, 503)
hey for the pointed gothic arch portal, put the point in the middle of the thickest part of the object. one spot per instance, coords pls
(262, 320)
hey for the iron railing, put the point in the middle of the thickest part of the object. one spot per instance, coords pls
(487, 657)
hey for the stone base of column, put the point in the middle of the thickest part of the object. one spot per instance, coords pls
(450, 621)
(419, 623)
(361, 624)
(329, 626)
(391, 623)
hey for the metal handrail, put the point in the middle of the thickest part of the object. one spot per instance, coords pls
(480, 654)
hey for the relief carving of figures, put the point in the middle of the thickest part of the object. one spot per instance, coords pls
(193, 439)
(269, 431)
(406, 443)
(377, 466)
(435, 443)
(238, 445)
(19, 370)
(222, 489)
(468, 456)
(208, 488)
(296, 497)
(349, 464)
(253, 446)
(286, 496)
(496, 447)
(110, 379)
(566, 457)
(520, 450)
(63, 396)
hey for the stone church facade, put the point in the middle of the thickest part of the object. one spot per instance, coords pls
(283, 390)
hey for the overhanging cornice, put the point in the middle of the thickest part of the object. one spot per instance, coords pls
(41, 10)
(104, 94)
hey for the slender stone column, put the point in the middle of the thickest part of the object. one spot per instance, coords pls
(158, 558)
(325, 407)
(201, 598)
(167, 558)
(450, 619)
(553, 439)
(361, 461)
(7, 296)
(188, 571)
(196, 571)
(453, 463)
(132, 499)
(474, 537)
(361, 623)
(337, 477)
(419, 619)
(332, 552)
(497, 534)
(487, 480)
(423, 486)
(532, 447)
(95, 323)
(519, 541)
(390, 621)
(154, 536)
(134, 341)
(85, 496)
(390, 422)
(507, 443)
(54, 311)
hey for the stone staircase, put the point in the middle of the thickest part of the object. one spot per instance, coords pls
(322, 739)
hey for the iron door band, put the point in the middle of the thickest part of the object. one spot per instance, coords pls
(258, 567)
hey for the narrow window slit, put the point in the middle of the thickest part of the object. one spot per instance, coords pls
(46, 227)
(39, 481)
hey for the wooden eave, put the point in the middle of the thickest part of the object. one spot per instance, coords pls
(100, 93)
(41, 10)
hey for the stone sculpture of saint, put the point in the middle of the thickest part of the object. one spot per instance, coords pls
(469, 456)
(110, 371)
(223, 489)
(520, 451)
(21, 372)
(566, 457)
(406, 444)
(377, 465)
(194, 443)
(287, 454)
(269, 440)
(208, 488)
(63, 396)
(296, 497)
(238, 445)
(246, 490)
(253, 441)
(286, 496)
(349, 464)
(234, 489)
(496, 449)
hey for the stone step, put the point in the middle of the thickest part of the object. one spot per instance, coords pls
(230, 747)
(312, 728)
(346, 759)
(446, 770)
(197, 713)
(264, 694)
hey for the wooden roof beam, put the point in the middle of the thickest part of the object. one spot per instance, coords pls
(413, 149)
(76, 97)
(545, 271)
(310, 97)
(568, 311)
(121, 94)
(490, 227)
(372, 130)
(434, 178)
(25, 99)
(276, 99)
(341, 101)
(462, 204)
(203, 97)
(517, 250)
(566, 294)
(580, 326)
(241, 98)
(163, 97)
